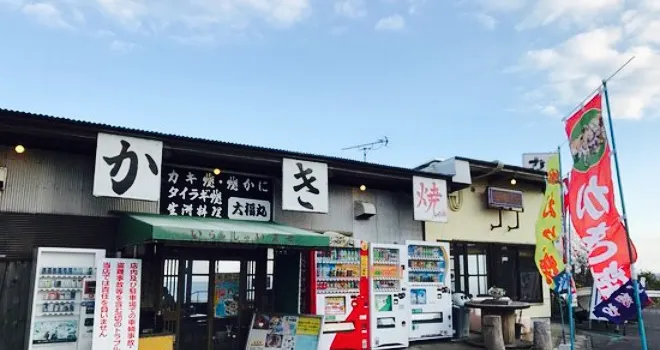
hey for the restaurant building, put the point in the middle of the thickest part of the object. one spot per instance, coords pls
(491, 228)
(193, 209)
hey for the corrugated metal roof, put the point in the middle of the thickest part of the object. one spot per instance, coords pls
(159, 135)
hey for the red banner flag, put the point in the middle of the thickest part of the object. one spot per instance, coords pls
(591, 200)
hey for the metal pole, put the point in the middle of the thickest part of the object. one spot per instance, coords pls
(633, 273)
(567, 251)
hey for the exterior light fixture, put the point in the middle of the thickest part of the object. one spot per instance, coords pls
(513, 181)
(363, 188)
(216, 171)
(19, 149)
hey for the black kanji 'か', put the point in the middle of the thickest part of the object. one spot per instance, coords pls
(306, 183)
(120, 187)
(537, 163)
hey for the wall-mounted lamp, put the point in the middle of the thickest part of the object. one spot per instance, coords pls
(513, 181)
(216, 171)
(363, 188)
(19, 149)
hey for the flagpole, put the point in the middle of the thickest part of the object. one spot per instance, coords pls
(633, 273)
(567, 251)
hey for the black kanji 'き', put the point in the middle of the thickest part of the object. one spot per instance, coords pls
(306, 183)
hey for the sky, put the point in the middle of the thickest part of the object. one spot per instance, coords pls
(487, 79)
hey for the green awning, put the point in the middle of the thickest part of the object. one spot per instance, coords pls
(140, 228)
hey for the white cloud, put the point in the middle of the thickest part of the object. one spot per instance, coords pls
(46, 14)
(122, 46)
(581, 12)
(487, 21)
(171, 17)
(415, 5)
(570, 70)
(351, 8)
(502, 5)
(391, 23)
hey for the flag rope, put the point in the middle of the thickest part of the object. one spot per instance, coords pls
(581, 104)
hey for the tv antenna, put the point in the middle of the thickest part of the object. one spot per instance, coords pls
(372, 146)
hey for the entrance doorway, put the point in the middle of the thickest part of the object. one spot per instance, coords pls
(210, 295)
(208, 301)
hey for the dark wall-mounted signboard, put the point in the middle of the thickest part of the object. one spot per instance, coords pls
(504, 199)
(201, 193)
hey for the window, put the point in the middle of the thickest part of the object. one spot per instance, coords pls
(531, 283)
(477, 271)
(477, 267)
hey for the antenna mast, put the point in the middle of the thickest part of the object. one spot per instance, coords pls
(372, 146)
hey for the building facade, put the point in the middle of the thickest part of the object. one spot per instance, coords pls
(492, 247)
(47, 199)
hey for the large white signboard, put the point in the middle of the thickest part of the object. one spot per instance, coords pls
(127, 167)
(429, 199)
(117, 311)
(304, 186)
(536, 161)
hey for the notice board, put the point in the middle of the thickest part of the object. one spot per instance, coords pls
(284, 332)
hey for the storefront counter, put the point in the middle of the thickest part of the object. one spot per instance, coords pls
(162, 341)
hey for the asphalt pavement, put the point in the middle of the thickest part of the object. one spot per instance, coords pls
(598, 337)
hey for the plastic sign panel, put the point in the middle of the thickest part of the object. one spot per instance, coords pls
(304, 186)
(117, 311)
(284, 332)
(429, 199)
(537, 161)
(127, 167)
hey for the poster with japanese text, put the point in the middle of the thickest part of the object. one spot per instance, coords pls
(201, 193)
(429, 199)
(226, 294)
(285, 332)
(127, 167)
(117, 312)
(304, 186)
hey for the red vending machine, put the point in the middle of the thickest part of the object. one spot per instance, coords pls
(340, 291)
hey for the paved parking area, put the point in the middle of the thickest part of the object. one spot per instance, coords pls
(586, 339)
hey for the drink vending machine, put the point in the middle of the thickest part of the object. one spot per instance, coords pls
(430, 293)
(390, 317)
(339, 290)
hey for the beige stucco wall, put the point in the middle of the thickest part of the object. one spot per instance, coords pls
(471, 223)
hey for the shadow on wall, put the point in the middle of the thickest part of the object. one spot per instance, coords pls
(14, 287)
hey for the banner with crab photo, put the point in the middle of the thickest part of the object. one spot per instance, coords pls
(592, 206)
(549, 227)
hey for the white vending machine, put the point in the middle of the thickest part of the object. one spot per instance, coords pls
(389, 312)
(61, 316)
(430, 292)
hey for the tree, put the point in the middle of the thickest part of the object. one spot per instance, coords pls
(652, 280)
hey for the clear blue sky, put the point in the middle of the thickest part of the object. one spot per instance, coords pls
(489, 79)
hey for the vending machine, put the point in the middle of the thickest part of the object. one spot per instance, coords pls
(390, 316)
(430, 293)
(339, 291)
(60, 309)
